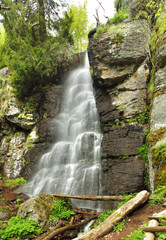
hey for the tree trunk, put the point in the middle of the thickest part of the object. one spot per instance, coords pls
(105, 227)
(93, 198)
(42, 25)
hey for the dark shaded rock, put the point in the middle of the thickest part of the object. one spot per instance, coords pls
(122, 140)
(123, 175)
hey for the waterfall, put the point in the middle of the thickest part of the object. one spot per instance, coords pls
(72, 166)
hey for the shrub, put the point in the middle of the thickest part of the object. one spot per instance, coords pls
(143, 117)
(61, 210)
(19, 228)
(119, 16)
(136, 235)
(14, 182)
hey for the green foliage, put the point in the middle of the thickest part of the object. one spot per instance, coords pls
(120, 225)
(61, 210)
(143, 153)
(136, 235)
(2, 35)
(126, 198)
(20, 228)
(15, 182)
(161, 235)
(158, 195)
(143, 117)
(79, 28)
(102, 217)
(31, 65)
(103, 28)
(119, 16)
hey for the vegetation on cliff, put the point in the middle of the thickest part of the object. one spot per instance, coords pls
(30, 50)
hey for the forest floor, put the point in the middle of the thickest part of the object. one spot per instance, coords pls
(134, 221)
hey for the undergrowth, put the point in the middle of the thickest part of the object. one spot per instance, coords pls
(158, 195)
(61, 210)
(119, 16)
(19, 228)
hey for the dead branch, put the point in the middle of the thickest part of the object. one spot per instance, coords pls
(93, 198)
(154, 229)
(56, 232)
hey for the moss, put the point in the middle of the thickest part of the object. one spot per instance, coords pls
(160, 177)
(118, 38)
(159, 153)
(155, 136)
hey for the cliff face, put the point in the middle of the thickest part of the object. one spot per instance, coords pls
(120, 60)
(122, 68)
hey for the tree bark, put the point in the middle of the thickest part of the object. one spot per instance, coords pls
(154, 229)
(93, 198)
(105, 227)
(42, 25)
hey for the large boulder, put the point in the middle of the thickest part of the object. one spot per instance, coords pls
(38, 208)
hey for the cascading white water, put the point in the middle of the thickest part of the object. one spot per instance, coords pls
(73, 164)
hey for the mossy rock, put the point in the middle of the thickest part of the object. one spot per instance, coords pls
(38, 208)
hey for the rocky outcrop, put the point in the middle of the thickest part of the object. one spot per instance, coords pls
(120, 59)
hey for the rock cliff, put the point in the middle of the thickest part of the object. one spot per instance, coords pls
(121, 65)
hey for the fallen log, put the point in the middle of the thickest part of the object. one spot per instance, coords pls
(93, 198)
(154, 229)
(56, 232)
(106, 226)
(149, 235)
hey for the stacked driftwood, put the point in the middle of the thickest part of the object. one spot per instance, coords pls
(153, 226)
